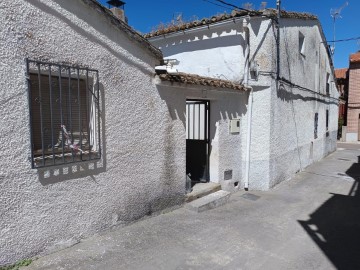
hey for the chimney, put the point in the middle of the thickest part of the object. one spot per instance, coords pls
(117, 8)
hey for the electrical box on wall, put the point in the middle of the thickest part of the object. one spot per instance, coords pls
(235, 126)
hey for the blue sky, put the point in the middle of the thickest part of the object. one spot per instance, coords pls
(145, 15)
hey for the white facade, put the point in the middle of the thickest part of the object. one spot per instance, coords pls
(283, 116)
(140, 171)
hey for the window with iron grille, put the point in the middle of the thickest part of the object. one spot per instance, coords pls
(64, 113)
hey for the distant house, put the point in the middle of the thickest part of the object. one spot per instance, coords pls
(286, 121)
(342, 79)
(348, 80)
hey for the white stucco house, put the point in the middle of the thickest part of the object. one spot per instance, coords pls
(91, 138)
(285, 122)
(86, 140)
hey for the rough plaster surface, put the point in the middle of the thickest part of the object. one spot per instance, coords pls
(143, 166)
(294, 146)
(225, 148)
(283, 117)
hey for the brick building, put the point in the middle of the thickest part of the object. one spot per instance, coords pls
(349, 86)
(342, 79)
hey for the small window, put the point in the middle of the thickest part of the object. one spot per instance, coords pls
(327, 84)
(316, 120)
(327, 123)
(64, 114)
(301, 44)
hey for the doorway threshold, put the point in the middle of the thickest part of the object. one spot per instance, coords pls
(202, 189)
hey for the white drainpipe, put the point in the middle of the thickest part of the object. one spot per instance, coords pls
(250, 101)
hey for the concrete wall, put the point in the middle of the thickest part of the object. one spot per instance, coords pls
(142, 169)
(293, 145)
(225, 148)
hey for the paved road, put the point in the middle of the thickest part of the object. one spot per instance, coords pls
(309, 222)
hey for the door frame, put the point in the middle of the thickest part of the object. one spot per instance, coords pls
(206, 130)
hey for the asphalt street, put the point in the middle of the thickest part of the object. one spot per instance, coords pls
(309, 222)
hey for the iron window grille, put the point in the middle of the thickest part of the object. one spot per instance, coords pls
(64, 113)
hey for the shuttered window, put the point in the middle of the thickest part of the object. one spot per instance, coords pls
(64, 110)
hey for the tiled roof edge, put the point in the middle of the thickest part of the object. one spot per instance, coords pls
(271, 13)
(200, 80)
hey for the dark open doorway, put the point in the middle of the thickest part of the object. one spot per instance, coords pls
(197, 140)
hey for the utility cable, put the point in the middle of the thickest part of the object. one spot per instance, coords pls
(341, 40)
(217, 4)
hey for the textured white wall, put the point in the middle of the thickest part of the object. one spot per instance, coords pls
(225, 148)
(283, 120)
(218, 51)
(293, 110)
(143, 165)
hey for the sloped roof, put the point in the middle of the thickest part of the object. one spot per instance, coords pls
(200, 80)
(355, 57)
(133, 35)
(270, 13)
(340, 73)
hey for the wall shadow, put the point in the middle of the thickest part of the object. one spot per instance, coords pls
(204, 44)
(335, 225)
(98, 26)
(65, 172)
(289, 96)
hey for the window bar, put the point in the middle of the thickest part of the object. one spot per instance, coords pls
(98, 108)
(61, 115)
(87, 112)
(79, 105)
(51, 115)
(41, 117)
(207, 135)
(199, 123)
(30, 112)
(193, 133)
(188, 118)
(70, 117)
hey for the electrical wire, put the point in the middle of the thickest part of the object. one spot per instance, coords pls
(342, 40)
(217, 4)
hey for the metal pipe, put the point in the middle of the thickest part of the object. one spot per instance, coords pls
(248, 140)
(250, 101)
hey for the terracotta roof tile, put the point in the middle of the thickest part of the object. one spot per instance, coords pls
(272, 13)
(200, 80)
(340, 73)
(355, 57)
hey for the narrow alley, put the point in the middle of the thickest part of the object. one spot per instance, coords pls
(309, 222)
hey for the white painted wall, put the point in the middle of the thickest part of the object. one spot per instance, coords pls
(283, 121)
(225, 148)
(293, 110)
(143, 166)
(218, 50)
